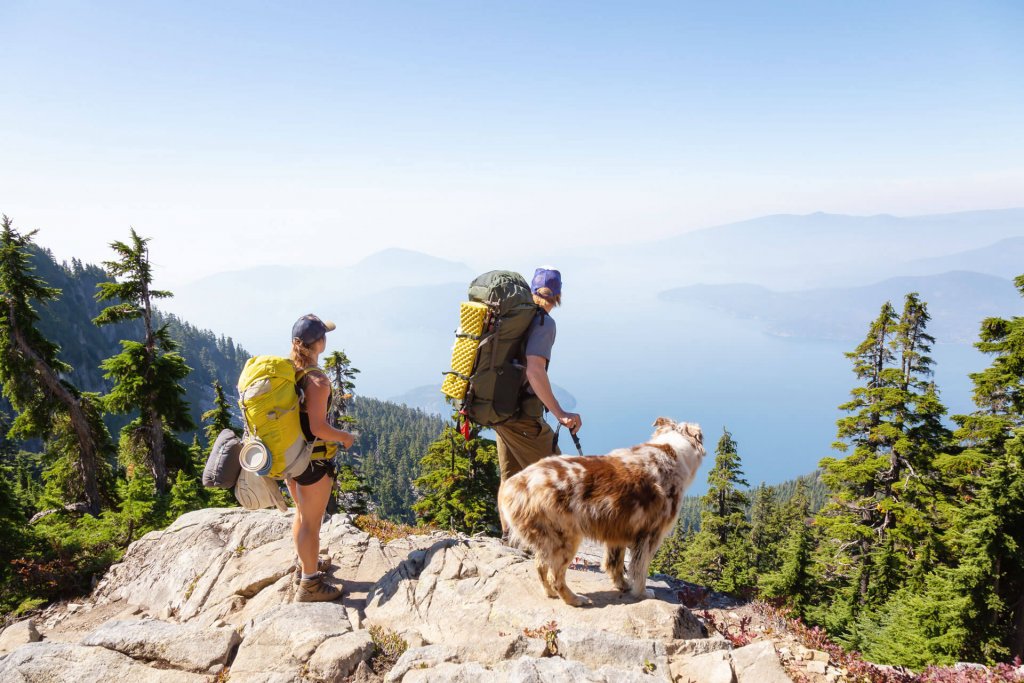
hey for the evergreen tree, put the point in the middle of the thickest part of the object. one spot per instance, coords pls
(767, 529)
(720, 555)
(146, 374)
(15, 537)
(61, 478)
(342, 374)
(459, 485)
(186, 495)
(850, 520)
(138, 505)
(31, 370)
(792, 581)
(669, 556)
(987, 535)
(880, 520)
(351, 492)
(219, 417)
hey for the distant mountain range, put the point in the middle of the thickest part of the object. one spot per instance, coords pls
(957, 302)
(815, 250)
(1005, 259)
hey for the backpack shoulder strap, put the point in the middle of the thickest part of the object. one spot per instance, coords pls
(539, 313)
(301, 374)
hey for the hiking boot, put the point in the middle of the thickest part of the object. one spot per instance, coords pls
(323, 563)
(316, 589)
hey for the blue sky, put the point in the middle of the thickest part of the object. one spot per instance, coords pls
(259, 129)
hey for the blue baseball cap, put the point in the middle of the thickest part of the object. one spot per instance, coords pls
(310, 328)
(547, 277)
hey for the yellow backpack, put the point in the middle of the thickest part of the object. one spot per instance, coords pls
(270, 408)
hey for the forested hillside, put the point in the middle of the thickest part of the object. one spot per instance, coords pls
(393, 440)
(810, 485)
(67, 322)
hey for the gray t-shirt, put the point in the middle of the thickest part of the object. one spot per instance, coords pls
(541, 337)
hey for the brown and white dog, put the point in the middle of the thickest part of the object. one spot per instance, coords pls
(629, 498)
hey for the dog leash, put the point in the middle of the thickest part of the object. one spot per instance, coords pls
(575, 439)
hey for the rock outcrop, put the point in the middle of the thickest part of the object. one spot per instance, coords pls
(212, 596)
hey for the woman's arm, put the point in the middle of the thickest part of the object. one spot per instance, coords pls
(537, 374)
(317, 390)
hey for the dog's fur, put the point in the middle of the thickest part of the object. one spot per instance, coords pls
(629, 498)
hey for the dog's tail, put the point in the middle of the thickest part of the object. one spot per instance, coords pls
(510, 499)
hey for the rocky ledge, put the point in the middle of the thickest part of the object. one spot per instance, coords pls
(211, 598)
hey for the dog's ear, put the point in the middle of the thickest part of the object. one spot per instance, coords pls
(663, 422)
(696, 435)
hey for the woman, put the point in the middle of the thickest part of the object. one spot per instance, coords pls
(312, 489)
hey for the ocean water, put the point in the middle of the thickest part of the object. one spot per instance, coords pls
(777, 396)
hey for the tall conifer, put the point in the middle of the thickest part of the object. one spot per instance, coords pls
(351, 492)
(880, 523)
(342, 374)
(987, 536)
(31, 371)
(792, 580)
(146, 374)
(219, 417)
(767, 529)
(720, 554)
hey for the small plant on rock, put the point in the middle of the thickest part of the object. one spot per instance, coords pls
(739, 637)
(389, 647)
(548, 633)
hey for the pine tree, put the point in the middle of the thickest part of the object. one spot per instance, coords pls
(219, 417)
(137, 504)
(146, 374)
(987, 534)
(351, 492)
(880, 519)
(186, 495)
(792, 581)
(342, 375)
(458, 486)
(851, 518)
(30, 370)
(720, 555)
(910, 491)
(766, 529)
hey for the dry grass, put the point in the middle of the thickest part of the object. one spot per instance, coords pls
(386, 531)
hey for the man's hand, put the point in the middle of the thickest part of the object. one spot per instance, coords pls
(571, 420)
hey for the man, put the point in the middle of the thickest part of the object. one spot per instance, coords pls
(526, 437)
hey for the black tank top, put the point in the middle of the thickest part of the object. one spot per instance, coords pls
(322, 449)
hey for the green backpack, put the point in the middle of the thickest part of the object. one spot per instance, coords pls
(496, 383)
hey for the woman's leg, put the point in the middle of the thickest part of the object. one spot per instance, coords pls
(310, 504)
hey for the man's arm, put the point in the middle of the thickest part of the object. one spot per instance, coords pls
(537, 374)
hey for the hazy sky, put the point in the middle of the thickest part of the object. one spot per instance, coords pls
(247, 133)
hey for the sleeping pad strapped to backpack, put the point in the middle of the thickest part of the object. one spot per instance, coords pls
(493, 387)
